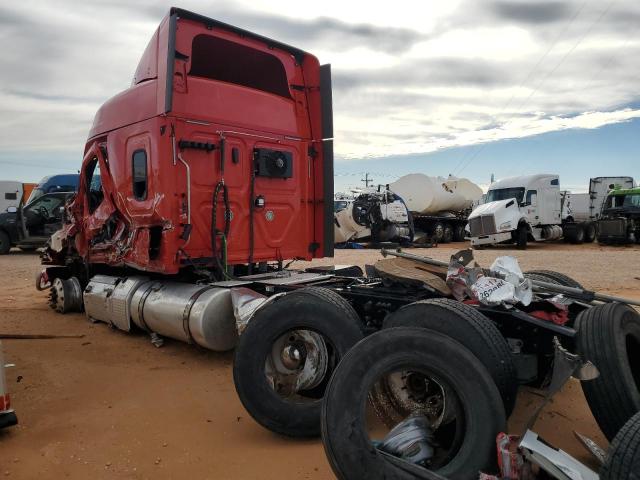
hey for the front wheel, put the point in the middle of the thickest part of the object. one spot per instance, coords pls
(522, 235)
(286, 355)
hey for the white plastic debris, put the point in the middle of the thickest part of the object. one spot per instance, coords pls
(507, 268)
(246, 303)
(494, 291)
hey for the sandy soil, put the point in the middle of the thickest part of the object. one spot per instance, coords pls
(110, 405)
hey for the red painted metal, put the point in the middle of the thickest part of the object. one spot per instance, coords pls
(149, 234)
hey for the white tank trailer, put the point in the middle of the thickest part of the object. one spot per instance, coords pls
(439, 206)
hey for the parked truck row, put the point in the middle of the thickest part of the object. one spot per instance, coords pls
(534, 208)
(516, 210)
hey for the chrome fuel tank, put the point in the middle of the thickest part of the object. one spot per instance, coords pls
(108, 299)
(191, 313)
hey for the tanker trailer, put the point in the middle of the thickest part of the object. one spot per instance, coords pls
(439, 206)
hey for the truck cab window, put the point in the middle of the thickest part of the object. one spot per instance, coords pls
(218, 59)
(11, 196)
(95, 194)
(139, 162)
(505, 194)
(532, 197)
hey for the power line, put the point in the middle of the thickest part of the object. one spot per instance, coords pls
(546, 77)
(528, 76)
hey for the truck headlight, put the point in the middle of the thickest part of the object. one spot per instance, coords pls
(505, 226)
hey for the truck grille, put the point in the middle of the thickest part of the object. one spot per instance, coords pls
(482, 225)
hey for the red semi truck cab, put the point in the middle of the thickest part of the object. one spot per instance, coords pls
(219, 154)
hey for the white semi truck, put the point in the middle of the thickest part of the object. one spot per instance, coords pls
(518, 209)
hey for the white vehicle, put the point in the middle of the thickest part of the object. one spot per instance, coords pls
(439, 206)
(10, 194)
(516, 209)
(377, 215)
(7, 415)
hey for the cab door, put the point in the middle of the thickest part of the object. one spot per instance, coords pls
(42, 218)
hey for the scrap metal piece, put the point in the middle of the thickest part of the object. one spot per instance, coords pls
(592, 447)
(557, 463)
(463, 257)
(565, 365)
(411, 440)
(404, 271)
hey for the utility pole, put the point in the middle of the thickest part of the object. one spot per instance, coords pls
(366, 180)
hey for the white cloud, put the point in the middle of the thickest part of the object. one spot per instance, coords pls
(414, 77)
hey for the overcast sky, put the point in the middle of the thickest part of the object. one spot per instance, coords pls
(410, 78)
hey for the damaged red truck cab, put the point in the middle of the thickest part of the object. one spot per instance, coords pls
(219, 155)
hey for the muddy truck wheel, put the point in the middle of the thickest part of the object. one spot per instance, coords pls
(521, 236)
(551, 276)
(286, 355)
(449, 387)
(590, 232)
(458, 233)
(468, 326)
(623, 458)
(65, 296)
(437, 232)
(609, 336)
(5, 243)
(447, 234)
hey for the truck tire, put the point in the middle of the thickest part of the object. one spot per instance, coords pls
(590, 232)
(447, 234)
(304, 321)
(623, 458)
(438, 232)
(346, 441)
(552, 276)
(472, 329)
(522, 235)
(609, 336)
(5, 243)
(458, 233)
(578, 235)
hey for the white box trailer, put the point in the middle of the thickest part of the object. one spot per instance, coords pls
(10, 194)
(582, 207)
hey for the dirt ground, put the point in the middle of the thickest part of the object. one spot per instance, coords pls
(110, 405)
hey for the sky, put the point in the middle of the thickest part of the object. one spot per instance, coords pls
(464, 87)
